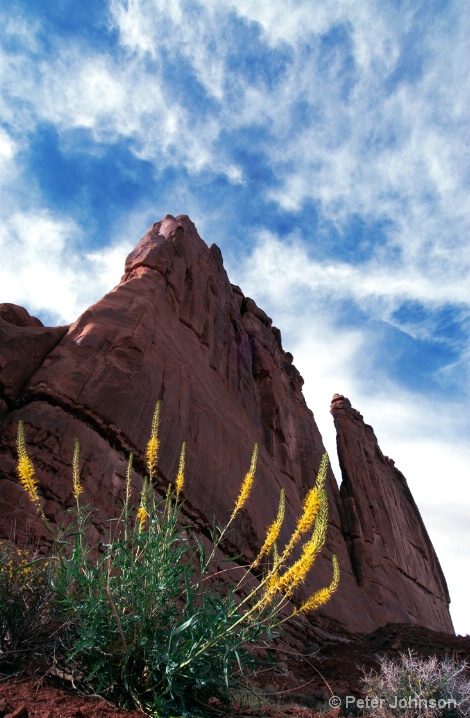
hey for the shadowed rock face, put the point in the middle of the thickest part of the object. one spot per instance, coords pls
(175, 329)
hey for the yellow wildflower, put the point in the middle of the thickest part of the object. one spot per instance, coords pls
(275, 553)
(247, 484)
(324, 594)
(152, 454)
(142, 511)
(311, 508)
(77, 486)
(295, 575)
(153, 442)
(317, 600)
(25, 469)
(321, 521)
(322, 471)
(141, 517)
(273, 580)
(270, 590)
(180, 476)
(273, 531)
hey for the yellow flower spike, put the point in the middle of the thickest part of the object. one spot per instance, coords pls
(336, 575)
(318, 599)
(77, 486)
(142, 512)
(321, 521)
(141, 517)
(269, 592)
(153, 442)
(25, 469)
(322, 472)
(273, 531)
(312, 507)
(275, 553)
(180, 476)
(152, 454)
(296, 574)
(271, 586)
(128, 478)
(324, 594)
(247, 484)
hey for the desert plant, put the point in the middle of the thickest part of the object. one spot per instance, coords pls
(413, 686)
(28, 612)
(150, 625)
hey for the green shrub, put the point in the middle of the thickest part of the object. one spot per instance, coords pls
(148, 623)
(413, 686)
(28, 612)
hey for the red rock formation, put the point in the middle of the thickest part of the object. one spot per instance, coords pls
(391, 553)
(24, 343)
(175, 329)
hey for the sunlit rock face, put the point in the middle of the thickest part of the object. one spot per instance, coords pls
(177, 330)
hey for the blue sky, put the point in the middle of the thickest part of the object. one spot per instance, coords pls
(323, 146)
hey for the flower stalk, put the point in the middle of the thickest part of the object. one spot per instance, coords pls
(324, 594)
(153, 444)
(272, 533)
(179, 483)
(247, 485)
(25, 470)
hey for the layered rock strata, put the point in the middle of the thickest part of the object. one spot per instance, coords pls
(175, 329)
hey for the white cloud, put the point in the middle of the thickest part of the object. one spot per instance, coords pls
(388, 150)
(34, 247)
(285, 270)
(7, 146)
(8, 166)
(115, 97)
(146, 27)
(138, 20)
(44, 269)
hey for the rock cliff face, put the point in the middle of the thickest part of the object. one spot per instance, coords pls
(391, 554)
(175, 329)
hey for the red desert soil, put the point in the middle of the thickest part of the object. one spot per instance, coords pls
(33, 698)
(36, 698)
(296, 678)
